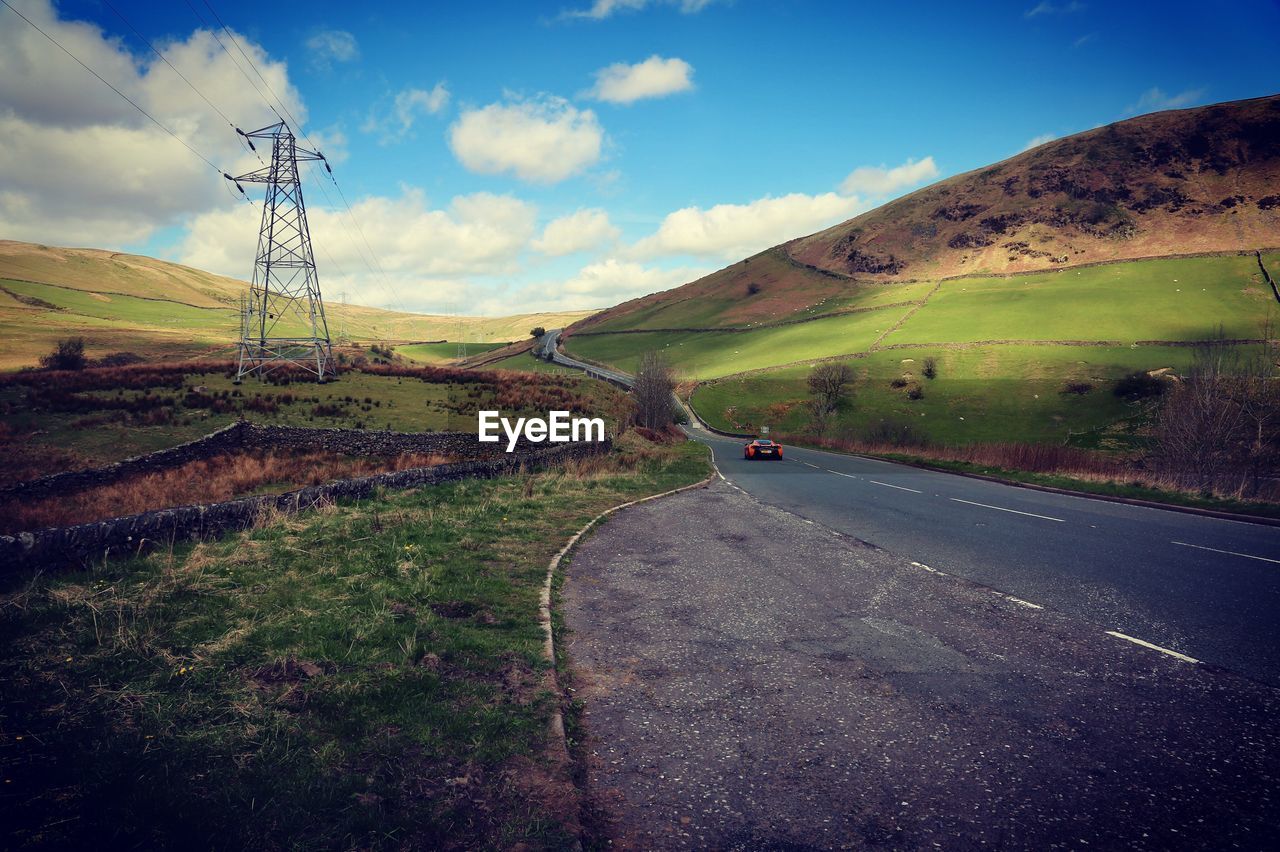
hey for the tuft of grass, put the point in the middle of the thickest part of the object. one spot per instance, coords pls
(368, 675)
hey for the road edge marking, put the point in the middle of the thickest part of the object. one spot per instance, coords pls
(1228, 552)
(1003, 509)
(1183, 657)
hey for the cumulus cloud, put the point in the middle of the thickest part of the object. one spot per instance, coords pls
(655, 77)
(737, 230)
(598, 285)
(1037, 141)
(601, 9)
(878, 181)
(83, 167)
(395, 123)
(543, 140)
(579, 231)
(476, 235)
(330, 46)
(1155, 100)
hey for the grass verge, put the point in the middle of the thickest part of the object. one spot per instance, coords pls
(368, 675)
(1127, 487)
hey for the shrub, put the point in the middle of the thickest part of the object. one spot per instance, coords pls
(537, 331)
(1139, 385)
(1077, 388)
(895, 433)
(753, 288)
(68, 355)
(930, 370)
(916, 392)
(898, 383)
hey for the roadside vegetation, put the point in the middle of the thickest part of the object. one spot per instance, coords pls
(224, 477)
(364, 676)
(62, 420)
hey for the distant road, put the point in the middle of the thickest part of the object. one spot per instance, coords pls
(1204, 587)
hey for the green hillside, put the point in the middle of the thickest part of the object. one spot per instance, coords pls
(139, 304)
(1005, 348)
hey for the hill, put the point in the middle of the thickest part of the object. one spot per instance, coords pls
(1073, 264)
(121, 302)
(1188, 181)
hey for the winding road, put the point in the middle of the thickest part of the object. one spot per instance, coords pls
(1200, 587)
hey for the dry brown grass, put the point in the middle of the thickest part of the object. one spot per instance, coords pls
(212, 480)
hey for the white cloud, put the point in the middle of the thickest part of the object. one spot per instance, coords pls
(579, 231)
(1155, 100)
(1048, 8)
(655, 77)
(1037, 141)
(406, 107)
(81, 166)
(739, 230)
(600, 284)
(878, 181)
(330, 46)
(415, 246)
(544, 140)
(601, 9)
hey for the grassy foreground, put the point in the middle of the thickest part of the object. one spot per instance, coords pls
(364, 676)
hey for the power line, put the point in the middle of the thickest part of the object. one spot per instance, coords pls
(104, 81)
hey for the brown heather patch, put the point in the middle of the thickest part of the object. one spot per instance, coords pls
(212, 480)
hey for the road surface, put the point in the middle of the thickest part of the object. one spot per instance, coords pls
(1204, 587)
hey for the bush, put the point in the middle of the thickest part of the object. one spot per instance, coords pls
(537, 331)
(895, 433)
(916, 392)
(68, 355)
(753, 288)
(898, 383)
(1139, 385)
(1077, 388)
(930, 370)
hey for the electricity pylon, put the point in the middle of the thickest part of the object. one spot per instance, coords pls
(283, 319)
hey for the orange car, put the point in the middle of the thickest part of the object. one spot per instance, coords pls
(762, 448)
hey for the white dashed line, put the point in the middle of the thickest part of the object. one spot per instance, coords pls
(1014, 511)
(1173, 654)
(814, 466)
(1021, 602)
(930, 570)
(891, 485)
(1228, 552)
(838, 473)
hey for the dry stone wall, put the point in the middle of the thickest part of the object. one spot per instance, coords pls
(122, 537)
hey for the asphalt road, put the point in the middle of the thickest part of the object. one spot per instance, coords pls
(751, 680)
(1205, 587)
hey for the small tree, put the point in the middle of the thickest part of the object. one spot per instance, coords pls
(930, 370)
(829, 383)
(653, 392)
(537, 331)
(69, 355)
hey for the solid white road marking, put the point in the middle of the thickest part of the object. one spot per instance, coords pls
(890, 485)
(1021, 602)
(930, 570)
(1014, 511)
(1173, 654)
(1228, 552)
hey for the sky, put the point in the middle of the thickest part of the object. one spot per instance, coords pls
(504, 157)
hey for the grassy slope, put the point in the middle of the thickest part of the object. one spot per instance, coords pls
(130, 303)
(1008, 392)
(442, 353)
(367, 676)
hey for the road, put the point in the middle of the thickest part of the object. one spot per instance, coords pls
(1207, 588)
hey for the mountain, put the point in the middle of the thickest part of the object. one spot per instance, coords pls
(1188, 181)
(121, 302)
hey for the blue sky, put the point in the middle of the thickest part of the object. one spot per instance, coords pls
(668, 138)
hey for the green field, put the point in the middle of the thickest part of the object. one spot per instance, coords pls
(38, 438)
(706, 355)
(1009, 393)
(995, 390)
(442, 353)
(1173, 299)
(526, 362)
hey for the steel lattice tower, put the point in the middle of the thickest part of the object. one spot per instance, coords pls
(283, 319)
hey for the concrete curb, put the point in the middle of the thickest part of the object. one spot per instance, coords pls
(560, 742)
